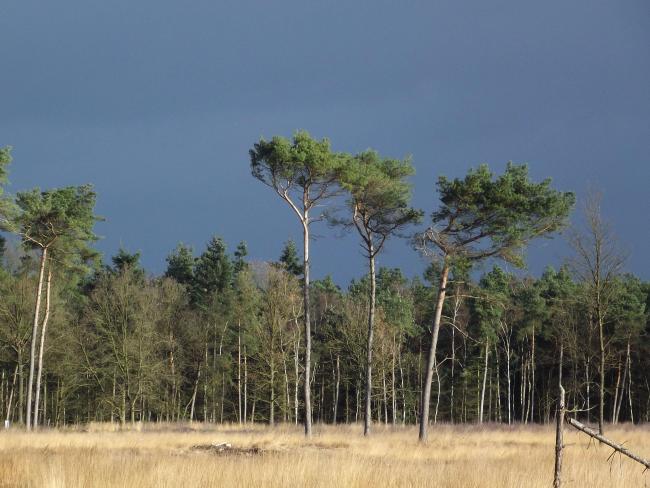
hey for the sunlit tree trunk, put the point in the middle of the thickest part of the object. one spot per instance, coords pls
(32, 353)
(41, 349)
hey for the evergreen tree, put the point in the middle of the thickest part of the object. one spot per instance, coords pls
(212, 273)
(289, 259)
(180, 265)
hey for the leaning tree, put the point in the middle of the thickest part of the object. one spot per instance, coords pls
(304, 173)
(482, 216)
(378, 208)
(58, 224)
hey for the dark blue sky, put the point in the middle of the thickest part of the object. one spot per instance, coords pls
(158, 102)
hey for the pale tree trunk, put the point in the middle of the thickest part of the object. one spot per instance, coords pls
(601, 398)
(296, 371)
(435, 414)
(337, 389)
(385, 396)
(32, 354)
(499, 408)
(629, 381)
(559, 428)
(616, 393)
(196, 387)
(371, 320)
(307, 385)
(401, 378)
(431, 360)
(245, 385)
(39, 375)
(508, 357)
(11, 396)
(239, 404)
(532, 381)
(394, 394)
(272, 402)
(286, 414)
(485, 370)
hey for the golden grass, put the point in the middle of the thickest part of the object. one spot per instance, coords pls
(456, 456)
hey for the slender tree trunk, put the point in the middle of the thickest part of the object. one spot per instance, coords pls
(336, 395)
(245, 385)
(601, 399)
(559, 429)
(532, 374)
(32, 354)
(401, 378)
(41, 349)
(296, 372)
(307, 385)
(435, 414)
(371, 320)
(239, 404)
(508, 355)
(629, 381)
(498, 368)
(485, 370)
(11, 397)
(196, 387)
(21, 386)
(392, 383)
(272, 400)
(431, 360)
(616, 393)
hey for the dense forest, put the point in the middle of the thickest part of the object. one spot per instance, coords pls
(218, 338)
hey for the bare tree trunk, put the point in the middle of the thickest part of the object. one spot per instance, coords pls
(401, 377)
(385, 396)
(245, 385)
(239, 404)
(532, 373)
(272, 402)
(371, 320)
(41, 349)
(11, 397)
(559, 440)
(32, 354)
(435, 414)
(508, 356)
(296, 371)
(616, 393)
(498, 406)
(431, 360)
(485, 370)
(629, 381)
(196, 387)
(392, 383)
(559, 429)
(601, 398)
(612, 444)
(307, 385)
(338, 383)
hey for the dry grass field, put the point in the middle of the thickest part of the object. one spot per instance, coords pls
(179, 456)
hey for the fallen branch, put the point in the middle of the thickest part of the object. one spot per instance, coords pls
(617, 447)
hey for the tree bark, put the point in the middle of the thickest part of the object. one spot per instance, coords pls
(485, 370)
(307, 384)
(239, 404)
(559, 428)
(42, 345)
(617, 447)
(431, 360)
(371, 320)
(32, 354)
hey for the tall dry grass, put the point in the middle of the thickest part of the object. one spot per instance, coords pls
(456, 456)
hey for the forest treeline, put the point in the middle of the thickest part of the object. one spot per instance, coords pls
(218, 338)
